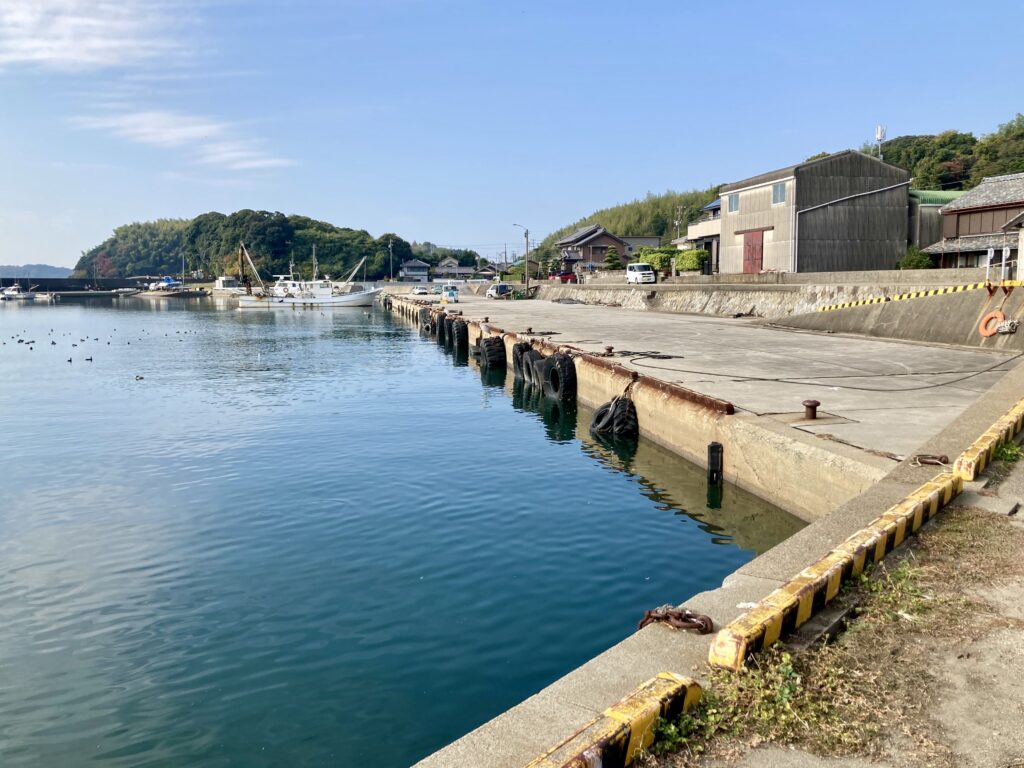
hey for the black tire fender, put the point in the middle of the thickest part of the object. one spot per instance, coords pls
(492, 352)
(530, 357)
(560, 378)
(604, 417)
(460, 337)
(518, 350)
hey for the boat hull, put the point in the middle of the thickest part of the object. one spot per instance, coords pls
(360, 299)
(187, 294)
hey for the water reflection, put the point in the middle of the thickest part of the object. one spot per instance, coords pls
(559, 419)
(730, 514)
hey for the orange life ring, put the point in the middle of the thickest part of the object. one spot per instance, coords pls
(986, 321)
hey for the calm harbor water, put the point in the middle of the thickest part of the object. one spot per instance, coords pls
(299, 538)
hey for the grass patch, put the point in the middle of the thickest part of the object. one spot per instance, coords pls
(870, 689)
(1011, 453)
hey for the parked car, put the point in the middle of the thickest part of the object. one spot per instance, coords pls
(499, 291)
(566, 276)
(450, 294)
(640, 273)
(420, 290)
(435, 288)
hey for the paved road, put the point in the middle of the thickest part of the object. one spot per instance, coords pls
(878, 395)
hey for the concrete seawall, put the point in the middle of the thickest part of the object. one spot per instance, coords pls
(942, 319)
(808, 477)
(771, 302)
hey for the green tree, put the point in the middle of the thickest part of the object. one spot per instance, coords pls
(1001, 152)
(652, 215)
(916, 259)
(611, 258)
(689, 261)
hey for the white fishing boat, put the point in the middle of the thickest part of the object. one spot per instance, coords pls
(291, 292)
(16, 293)
(170, 288)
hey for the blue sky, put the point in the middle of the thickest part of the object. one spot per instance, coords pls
(448, 120)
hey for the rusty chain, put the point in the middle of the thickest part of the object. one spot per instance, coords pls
(680, 618)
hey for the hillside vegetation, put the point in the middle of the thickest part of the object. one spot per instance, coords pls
(653, 215)
(210, 242)
(955, 160)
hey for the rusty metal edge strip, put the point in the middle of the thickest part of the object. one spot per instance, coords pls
(697, 398)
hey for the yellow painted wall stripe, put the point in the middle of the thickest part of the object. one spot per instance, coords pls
(918, 294)
(762, 625)
(625, 730)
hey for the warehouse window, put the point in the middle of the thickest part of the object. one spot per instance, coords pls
(778, 192)
(734, 203)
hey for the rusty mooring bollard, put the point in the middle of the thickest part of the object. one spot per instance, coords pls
(811, 409)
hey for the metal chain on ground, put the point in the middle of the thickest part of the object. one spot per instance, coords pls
(680, 618)
(930, 459)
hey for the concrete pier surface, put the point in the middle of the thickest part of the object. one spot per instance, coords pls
(882, 397)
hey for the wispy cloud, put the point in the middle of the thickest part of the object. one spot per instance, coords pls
(88, 34)
(206, 141)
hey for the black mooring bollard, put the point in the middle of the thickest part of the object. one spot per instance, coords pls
(716, 454)
(715, 461)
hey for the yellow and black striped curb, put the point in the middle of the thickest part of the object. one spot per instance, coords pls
(981, 452)
(919, 294)
(792, 604)
(623, 731)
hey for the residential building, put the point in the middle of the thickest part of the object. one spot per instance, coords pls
(846, 211)
(705, 233)
(639, 241)
(924, 215)
(448, 268)
(585, 248)
(488, 271)
(974, 224)
(414, 271)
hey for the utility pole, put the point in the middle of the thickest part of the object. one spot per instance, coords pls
(679, 220)
(391, 260)
(526, 259)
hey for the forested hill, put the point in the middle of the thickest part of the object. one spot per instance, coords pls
(210, 242)
(654, 215)
(955, 160)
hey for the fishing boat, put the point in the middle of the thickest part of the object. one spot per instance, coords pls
(291, 292)
(170, 288)
(16, 293)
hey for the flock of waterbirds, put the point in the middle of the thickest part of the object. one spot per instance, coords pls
(30, 344)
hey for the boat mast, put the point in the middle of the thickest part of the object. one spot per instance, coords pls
(314, 263)
(248, 258)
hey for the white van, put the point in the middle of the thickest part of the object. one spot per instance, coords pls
(450, 294)
(640, 273)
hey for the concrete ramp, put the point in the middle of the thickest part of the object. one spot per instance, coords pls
(950, 318)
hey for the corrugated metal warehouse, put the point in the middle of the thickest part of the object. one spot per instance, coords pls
(846, 211)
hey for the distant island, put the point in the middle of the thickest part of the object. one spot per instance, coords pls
(32, 270)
